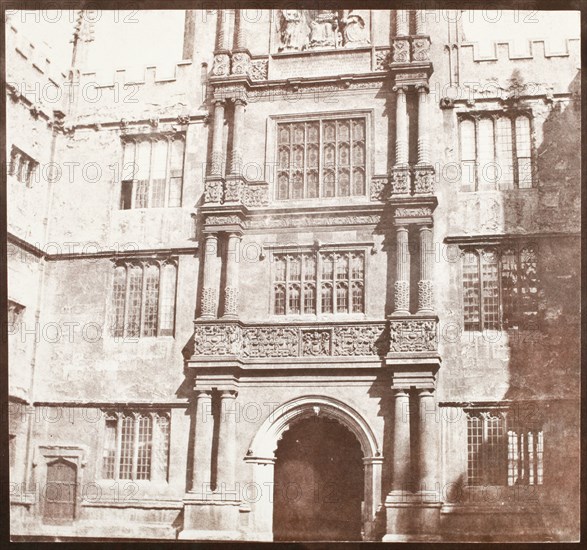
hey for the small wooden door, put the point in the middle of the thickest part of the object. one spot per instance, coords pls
(60, 492)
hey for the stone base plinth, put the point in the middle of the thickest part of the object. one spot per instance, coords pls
(210, 519)
(412, 517)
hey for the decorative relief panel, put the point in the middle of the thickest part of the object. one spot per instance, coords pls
(293, 341)
(417, 181)
(258, 69)
(379, 189)
(413, 335)
(253, 194)
(382, 59)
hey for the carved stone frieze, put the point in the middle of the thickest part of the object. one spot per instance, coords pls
(359, 340)
(412, 335)
(213, 191)
(313, 221)
(413, 212)
(426, 294)
(232, 190)
(258, 69)
(421, 49)
(382, 59)
(316, 342)
(400, 181)
(424, 180)
(240, 63)
(401, 50)
(223, 220)
(216, 339)
(266, 341)
(255, 195)
(221, 65)
(270, 342)
(379, 188)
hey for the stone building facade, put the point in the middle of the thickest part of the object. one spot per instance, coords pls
(321, 282)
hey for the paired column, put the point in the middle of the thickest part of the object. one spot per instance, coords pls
(227, 442)
(231, 290)
(401, 440)
(237, 135)
(402, 280)
(429, 429)
(209, 284)
(239, 38)
(425, 284)
(420, 21)
(203, 432)
(423, 141)
(402, 26)
(401, 127)
(218, 138)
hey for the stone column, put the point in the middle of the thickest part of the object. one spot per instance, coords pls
(203, 431)
(402, 282)
(231, 290)
(425, 284)
(227, 443)
(218, 138)
(210, 282)
(423, 142)
(402, 26)
(428, 432)
(420, 22)
(239, 31)
(401, 127)
(221, 35)
(237, 135)
(401, 440)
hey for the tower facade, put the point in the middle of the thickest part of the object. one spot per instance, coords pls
(319, 281)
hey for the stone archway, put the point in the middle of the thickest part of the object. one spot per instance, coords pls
(261, 456)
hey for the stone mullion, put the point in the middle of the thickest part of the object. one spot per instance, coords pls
(145, 266)
(160, 265)
(318, 283)
(335, 258)
(128, 268)
(154, 428)
(118, 451)
(150, 186)
(302, 281)
(476, 166)
(287, 269)
(168, 172)
(305, 167)
(135, 448)
(350, 284)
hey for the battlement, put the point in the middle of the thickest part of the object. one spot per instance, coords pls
(143, 76)
(35, 55)
(537, 49)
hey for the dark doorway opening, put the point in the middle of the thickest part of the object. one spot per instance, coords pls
(319, 483)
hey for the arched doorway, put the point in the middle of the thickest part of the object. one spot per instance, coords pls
(319, 483)
(262, 458)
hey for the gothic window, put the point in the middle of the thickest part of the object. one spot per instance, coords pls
(136, 445)
(152, 172)
(143, 299)
(22, 166)
(500, 288)
(496, 151)
(321, 158)
(502, 449)
(325, 282)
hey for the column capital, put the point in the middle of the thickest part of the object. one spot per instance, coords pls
(239, 101)
(401, 88)
(228, 394)
(426, 392)
(422, 87)
(400, 392)
(200, 393)
(219, 101)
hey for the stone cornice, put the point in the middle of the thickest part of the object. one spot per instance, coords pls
(499, 238)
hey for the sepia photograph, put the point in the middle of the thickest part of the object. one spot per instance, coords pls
(293, 275)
